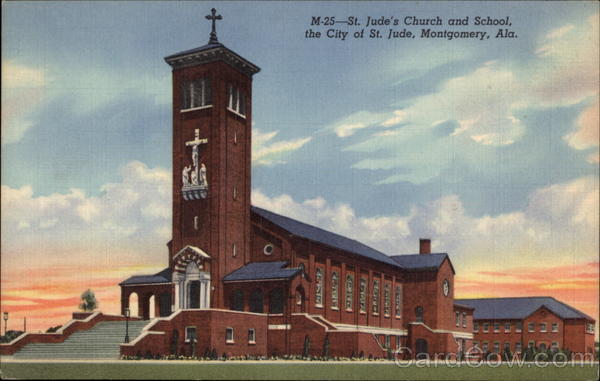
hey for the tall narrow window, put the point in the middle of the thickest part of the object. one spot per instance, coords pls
(237, 300)
(234, 250)
(256, 301)
(349, 291)
(363, 295)
(196, 94)
(398, 301)
(375, 296)
(195, 222)
(387, 304)
(334, 290)
(457, 318)
(319, 287)
(276, 301)
(237, 100)
(464, 320)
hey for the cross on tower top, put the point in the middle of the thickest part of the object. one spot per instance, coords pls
(213, 34)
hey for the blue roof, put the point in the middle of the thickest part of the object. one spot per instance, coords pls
(421, 262)
(262, 271)
(163, 276)
(325, 237)
(519, 308)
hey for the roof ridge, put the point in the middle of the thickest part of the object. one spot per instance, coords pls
(320, 228)
(408, 255)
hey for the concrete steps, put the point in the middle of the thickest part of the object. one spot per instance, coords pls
(99, 342)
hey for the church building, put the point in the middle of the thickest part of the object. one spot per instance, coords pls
(244, 280)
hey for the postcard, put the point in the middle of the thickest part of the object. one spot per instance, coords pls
(300, 190)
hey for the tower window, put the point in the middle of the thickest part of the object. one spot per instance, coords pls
(236, 101)
(195, 222)
(233, 250)
(196, 94)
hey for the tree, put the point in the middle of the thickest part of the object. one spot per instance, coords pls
(88, 301)
(10, 336)
(53, 329)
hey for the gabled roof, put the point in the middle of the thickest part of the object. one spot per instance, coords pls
(519, 308)
(325, 237)
(163, 276)
(262, 271)
(422, 262)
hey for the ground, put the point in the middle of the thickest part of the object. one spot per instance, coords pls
(282, 370)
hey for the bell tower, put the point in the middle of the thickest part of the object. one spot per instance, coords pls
(212, 125)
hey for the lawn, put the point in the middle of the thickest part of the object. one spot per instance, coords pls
(283, 371)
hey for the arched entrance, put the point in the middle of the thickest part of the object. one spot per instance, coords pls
(134, 304)
(152, 307)
(193, 287)
(192, 281)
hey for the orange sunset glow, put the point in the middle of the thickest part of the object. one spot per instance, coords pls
(47, 298)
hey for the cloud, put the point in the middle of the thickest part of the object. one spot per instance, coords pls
(547, 228)
(267, 152)
(23, 90)
(27, 89)
(585, 133)
(486, 106)
(123, 218)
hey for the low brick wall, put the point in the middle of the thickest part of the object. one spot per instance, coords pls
(167, 335)
(75, 325)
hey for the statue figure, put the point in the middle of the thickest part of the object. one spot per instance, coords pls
(194, 177)
(195, 157)
(185, 175)
(203, 180)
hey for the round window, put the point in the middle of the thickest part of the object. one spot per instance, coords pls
(268, 250)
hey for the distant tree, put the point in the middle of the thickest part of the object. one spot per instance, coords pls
(10, 336)
(88, 301)
(53, 329)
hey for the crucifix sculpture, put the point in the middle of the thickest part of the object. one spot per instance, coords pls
(213, 17)
(198, 172)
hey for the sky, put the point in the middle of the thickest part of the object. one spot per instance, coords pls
(489, 147)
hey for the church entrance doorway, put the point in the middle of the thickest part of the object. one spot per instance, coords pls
(192, 288)
(194, 294)
(421, 349)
